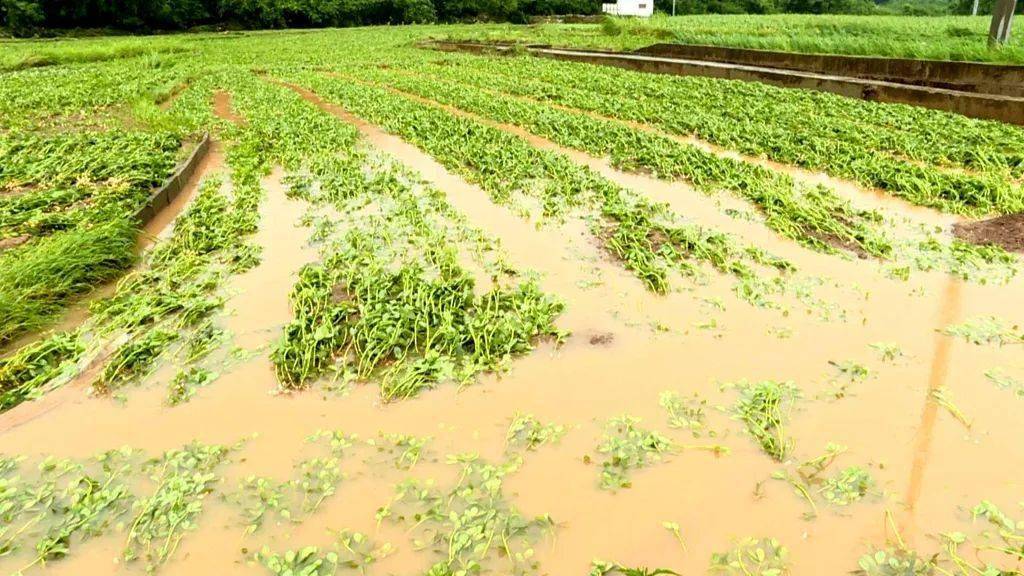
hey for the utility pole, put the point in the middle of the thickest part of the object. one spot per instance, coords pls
(1002, 20)
(674, 7)
(974, 10)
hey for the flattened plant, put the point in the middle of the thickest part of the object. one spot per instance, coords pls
(627, 447)
(528, 433)
(764, 408)
(752, 557)
(183, 478)
(470, 525)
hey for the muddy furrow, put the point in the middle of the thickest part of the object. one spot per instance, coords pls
(565, 255)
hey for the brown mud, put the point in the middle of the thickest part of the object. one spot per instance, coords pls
(222, 107)
(1006, 232)
(656, 344)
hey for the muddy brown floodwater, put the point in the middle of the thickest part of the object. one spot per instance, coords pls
(627, 347)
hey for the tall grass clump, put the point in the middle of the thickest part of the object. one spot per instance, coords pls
(37, 280)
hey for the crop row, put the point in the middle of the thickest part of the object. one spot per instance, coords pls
(930, 158)
(811, 215)
(391, 298)
(177, 290)
(82, 149)
(645, 237)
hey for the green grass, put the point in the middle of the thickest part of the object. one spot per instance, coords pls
(939, 38)
(37, 280)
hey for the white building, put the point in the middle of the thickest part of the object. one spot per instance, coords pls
(642, 8)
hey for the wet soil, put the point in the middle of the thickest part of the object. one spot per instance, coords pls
(1006, 232)
(222, 107)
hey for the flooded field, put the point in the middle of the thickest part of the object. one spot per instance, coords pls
(423, 313)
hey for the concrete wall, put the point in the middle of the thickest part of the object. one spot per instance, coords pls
(173, 186)
(1006, 80)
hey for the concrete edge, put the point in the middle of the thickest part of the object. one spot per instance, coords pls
(1008, 109)
(175, 183)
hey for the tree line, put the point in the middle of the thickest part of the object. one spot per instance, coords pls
(28, 17)
(25, 17)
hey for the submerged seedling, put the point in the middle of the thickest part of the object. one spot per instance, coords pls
(943, 397)
(308, 561)
(673, 527)
(403, 450)
(889, 351)
(186, 382)
(628, 447)
(65, 504)
(470, 524)
(685, 413)
(809, 481)
(183, 479)
(752, 557)
(602, 568)
(528, 433)
(764, 408)
(894, 562)
(357, 551)
(1005, 381)
(986, 330)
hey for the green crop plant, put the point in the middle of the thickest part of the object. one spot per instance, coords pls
(38, 279)
(177, 286)
(75, 171)
(358, 552)
(1005, 381)
(402, 450)
(293, 500)
(306, 561)
(470, 525)
(943, 397)
(764, 408)
(203, 341)
(889, 147)
(894, 562)
(602, 568)
(813, 216)
(391, 299)
(351, 551)
(314, 480)
(63, 503)
(752, 557)
(888, 33)
(24, 374)
(160, 521)
(889, 351)
(844, 488)
(645, 237)
(686, 413)
(133, 360)
(528, 433)
(986, 330)
(186, 382)
(626, 447)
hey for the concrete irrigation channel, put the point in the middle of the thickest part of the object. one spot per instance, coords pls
(914, 82)
(174, 185)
